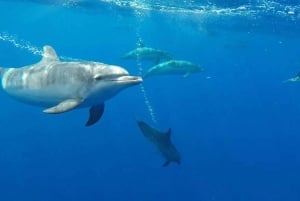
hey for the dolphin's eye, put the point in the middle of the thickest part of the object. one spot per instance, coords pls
(98, 77)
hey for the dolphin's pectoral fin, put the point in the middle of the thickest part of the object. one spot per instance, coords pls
(166, 163)
(96, 113)
(156, 61)
(64, 106)
(185, 75)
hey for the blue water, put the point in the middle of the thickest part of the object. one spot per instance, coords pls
(236, 125)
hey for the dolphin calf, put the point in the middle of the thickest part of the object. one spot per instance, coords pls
(63, 86)
(162, 141)
(170, 67)
(147, 53)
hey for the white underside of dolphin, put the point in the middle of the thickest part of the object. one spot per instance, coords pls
(63, 86)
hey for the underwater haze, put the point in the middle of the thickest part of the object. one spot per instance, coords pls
(235, 124)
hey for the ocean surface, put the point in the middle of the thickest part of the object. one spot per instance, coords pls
(236, 124)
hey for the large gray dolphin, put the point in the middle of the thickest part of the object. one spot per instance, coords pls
(162, 141)
(147, 53)
(170, 67)
(62, 86)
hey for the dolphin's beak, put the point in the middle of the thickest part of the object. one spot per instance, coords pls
(130, 79)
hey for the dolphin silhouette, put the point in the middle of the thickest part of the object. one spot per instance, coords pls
(147, 53)
(162, 141)
(181, 67)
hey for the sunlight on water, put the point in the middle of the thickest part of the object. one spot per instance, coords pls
(252, 9)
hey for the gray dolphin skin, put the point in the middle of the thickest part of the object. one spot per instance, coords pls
(62, 86)
(181, 67)
(147, 53)
(162, 141)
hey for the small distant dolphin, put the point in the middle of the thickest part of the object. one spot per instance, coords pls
(184, 68)
(63, 86)
(147, 53)
(162, 141)
(293, 79)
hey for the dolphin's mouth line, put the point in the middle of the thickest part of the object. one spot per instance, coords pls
(126, 78)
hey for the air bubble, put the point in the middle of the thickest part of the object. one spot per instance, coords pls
(20, 44)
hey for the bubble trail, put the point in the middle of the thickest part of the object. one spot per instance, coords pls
(142, 87)
(20, 44)
(25, 45)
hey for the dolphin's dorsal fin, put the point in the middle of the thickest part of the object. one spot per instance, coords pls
(49, 54)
